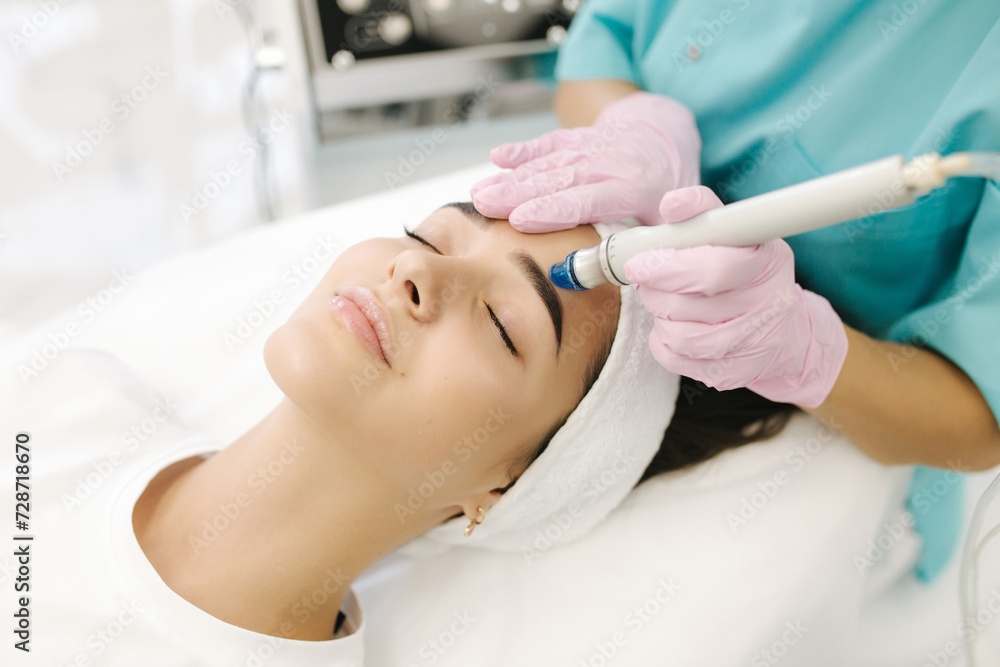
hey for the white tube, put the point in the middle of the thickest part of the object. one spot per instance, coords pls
(969, 571)
(985, 165)
(845, 195)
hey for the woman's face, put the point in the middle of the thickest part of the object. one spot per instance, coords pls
(477, 358)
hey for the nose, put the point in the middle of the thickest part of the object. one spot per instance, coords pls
(426, 283)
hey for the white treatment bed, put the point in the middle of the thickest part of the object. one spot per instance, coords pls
(666, 580)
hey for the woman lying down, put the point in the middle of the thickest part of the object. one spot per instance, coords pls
(192, 551)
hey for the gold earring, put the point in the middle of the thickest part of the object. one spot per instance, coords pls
(480, 517)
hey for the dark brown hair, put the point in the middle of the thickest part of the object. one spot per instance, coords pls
(707, 422)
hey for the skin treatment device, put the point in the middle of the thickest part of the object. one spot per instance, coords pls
(845, 195)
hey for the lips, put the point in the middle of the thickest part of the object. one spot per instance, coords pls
(367, 319)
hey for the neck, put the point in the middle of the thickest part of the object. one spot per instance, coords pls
(270, 532)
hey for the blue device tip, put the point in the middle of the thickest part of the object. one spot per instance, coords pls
(562, 274)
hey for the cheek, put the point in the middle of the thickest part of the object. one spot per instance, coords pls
(293, 355)
(459, 415)
(366, 263)
(450, 389)
(363, 256)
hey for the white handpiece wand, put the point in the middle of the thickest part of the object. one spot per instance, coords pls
(828, 200)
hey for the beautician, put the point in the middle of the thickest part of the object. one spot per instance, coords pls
(888, 326)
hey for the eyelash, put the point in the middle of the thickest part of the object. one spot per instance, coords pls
(496, 321)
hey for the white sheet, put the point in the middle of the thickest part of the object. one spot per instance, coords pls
(788, 572)
(738, 594)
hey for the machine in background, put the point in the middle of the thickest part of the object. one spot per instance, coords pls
(377, 65)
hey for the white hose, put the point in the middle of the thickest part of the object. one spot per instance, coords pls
(969, 576)
(981, 165)
(976, 164)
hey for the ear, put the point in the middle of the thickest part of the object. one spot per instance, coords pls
(472, 504)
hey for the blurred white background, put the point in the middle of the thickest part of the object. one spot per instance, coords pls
(118, 121)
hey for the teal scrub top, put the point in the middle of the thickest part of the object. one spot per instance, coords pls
(786, 92)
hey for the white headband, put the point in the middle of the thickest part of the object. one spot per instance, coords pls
(593, 461)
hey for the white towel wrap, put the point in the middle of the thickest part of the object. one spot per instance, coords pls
(592, 462)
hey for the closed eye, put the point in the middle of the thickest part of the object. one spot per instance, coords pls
(496, 321)
(413, 235)
(503, 332)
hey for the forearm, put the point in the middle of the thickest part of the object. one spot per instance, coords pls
(577, 103)
(902, 404)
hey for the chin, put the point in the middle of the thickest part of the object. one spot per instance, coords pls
(305, 361)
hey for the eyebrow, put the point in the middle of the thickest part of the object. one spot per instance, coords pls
(528, 267)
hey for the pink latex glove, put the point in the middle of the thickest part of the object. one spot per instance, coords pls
(638, 148)
(735, 317)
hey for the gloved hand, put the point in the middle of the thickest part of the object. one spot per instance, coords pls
(638, 148)
(735, 317)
